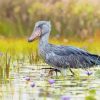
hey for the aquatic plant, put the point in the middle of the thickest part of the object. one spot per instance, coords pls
(65, 97)
(32, 84)
(51, 81)
(97, 73)
(89, 73)
(91, 95)
(27, 78)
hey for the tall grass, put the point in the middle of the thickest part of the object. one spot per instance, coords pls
(20, 51)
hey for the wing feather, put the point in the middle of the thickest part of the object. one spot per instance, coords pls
(68, 56)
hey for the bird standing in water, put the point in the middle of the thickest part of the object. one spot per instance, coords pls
(61, 57)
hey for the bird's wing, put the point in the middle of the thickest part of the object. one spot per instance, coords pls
(63, 56)
(67, 50)
(55, 60)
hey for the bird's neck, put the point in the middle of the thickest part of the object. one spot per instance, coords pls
(44, 40)
(43, 44)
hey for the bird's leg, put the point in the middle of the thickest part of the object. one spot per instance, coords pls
(56, 70)
(51, 71)
(71, 71)
(47, 68)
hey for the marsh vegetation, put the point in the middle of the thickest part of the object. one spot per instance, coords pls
(22, 72)
(22, 75)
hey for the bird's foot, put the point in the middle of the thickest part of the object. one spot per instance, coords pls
(51, 72)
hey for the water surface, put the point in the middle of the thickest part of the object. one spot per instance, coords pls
(76, 88)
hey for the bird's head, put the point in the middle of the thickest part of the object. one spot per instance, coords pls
(41, 28)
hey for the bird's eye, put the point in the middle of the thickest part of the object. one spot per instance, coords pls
(40, 26)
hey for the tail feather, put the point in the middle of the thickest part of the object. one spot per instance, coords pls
(95, 59)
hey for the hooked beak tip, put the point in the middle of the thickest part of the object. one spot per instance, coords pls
(29, 40)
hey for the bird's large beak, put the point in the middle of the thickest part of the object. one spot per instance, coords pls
(36, 33)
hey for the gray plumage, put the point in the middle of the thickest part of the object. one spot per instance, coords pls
(61, 56)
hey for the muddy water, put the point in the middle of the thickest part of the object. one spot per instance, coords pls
(78, 87)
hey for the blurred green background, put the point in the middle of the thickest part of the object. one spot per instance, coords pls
(68, 17)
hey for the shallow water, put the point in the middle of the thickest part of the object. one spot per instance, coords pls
(75, 88)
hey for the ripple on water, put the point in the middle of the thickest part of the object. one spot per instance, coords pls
(40, 88)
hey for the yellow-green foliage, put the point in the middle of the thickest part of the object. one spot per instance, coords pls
(17, 46)
(91, 95)
(13, 50)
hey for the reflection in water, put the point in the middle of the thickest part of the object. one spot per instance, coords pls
(18, 88)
